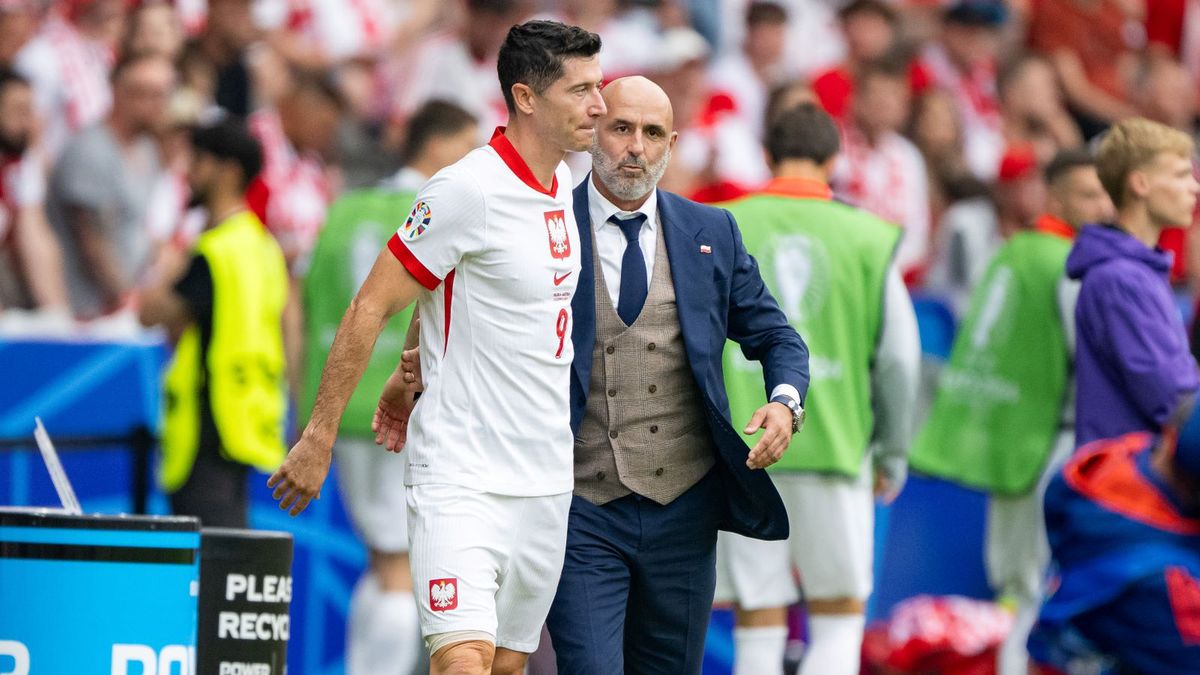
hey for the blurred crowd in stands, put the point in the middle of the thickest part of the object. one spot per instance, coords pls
(949, 110)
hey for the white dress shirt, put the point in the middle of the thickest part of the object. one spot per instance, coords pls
(610, 248)
(610, 241)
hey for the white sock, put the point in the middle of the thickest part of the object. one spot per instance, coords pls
(382, 633)
(1013, 657)
(361, 615)
(834, 644)
(759, 650)
(397, 634)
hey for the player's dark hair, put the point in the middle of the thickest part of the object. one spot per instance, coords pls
(1065, 160)
(435, 119)
(228, 139)
(804, 131)
(764, 12)
(533, 54)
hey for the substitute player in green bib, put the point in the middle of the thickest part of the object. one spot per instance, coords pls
(1002, 418)
(382, 632)
(831, 267)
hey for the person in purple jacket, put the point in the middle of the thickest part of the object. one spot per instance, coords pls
(1132, 363)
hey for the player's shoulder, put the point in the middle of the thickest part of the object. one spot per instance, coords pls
(463, 178)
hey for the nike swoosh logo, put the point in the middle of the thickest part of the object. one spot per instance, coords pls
(558, 280)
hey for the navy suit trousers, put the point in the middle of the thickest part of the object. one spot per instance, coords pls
(637, 584)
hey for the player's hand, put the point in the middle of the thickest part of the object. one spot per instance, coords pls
(298, 481)
(775, 419)
(390, 422)
(885, 490)
(410, 364)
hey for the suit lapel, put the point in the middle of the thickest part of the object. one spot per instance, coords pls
(583, 305)
(691, 275)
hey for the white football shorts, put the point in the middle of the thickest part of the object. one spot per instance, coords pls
(831, 545)
(484, 562)
(371, 481)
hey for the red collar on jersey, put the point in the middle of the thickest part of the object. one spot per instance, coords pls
(802, 188)
(1048, 224)
(517, 164)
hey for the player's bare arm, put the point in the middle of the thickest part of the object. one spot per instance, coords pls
(396, 401)
(388, 289)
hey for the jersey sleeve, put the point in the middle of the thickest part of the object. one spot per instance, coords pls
(446, 223)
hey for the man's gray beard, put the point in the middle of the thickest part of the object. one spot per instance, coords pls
(627, 189)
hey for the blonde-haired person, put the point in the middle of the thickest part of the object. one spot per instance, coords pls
(1132, 364)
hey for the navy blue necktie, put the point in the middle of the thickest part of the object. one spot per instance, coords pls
(633, 269)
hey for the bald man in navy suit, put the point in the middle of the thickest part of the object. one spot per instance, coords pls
(659, 467)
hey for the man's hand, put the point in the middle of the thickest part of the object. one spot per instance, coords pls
(390, 423)
(775, 419)
(298, 481)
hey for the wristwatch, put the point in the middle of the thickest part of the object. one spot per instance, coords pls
(797, 411)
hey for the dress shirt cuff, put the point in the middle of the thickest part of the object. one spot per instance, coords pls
(786, 390)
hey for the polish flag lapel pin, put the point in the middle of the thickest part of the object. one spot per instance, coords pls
(705, 248)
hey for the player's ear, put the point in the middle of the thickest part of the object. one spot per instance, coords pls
(523, 98)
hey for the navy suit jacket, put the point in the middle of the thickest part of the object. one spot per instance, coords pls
(719, 294)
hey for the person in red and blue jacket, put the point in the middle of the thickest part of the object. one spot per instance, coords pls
(1123, 518)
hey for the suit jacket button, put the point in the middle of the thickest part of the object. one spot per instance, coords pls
(600, 476)
(612, 392)
(654, 428)
(658, 472)
(612, 434)
(650, 347)
(653, 388)
(610, 349)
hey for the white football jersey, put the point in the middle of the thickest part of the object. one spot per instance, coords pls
(499, 256)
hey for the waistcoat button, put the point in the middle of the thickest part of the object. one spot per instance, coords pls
(653, 388)
(612, 392)
(654, 428)
(611, 349)
(600, 476)
(658, 472)
(650, 347)
(612, 434)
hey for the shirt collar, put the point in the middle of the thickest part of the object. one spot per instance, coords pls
(516, 163)
(802, 188)
(600, 209)
(1048, 224)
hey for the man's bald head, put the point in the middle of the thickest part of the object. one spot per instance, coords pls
(637, 94)
(633, 140)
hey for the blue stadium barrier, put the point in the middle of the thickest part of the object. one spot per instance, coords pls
(104, 390)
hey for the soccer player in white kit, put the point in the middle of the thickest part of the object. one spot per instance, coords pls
(490, 253)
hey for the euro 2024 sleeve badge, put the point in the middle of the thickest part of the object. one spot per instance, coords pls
(417, 222)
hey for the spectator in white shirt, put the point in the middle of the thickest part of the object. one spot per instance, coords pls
(749, 73)
(881, 171)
